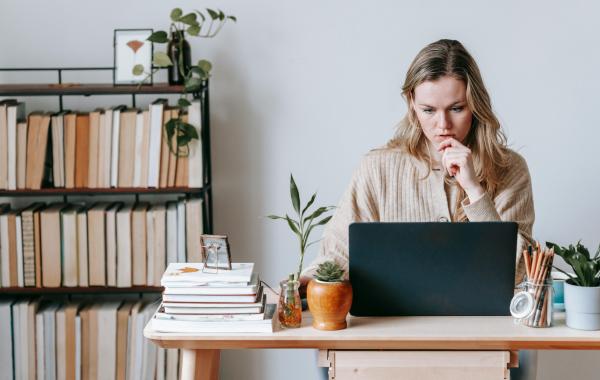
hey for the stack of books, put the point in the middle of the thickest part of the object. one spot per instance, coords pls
(205, 300)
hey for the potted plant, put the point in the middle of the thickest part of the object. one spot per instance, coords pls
(177, 59)
(301, 226)
(582, 290)
(329, 297)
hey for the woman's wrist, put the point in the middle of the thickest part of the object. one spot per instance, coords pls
(475, 193)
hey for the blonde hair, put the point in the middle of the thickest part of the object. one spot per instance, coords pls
(485, 139)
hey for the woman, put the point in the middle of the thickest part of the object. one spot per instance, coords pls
(447, 162)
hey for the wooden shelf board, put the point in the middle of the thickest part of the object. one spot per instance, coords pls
(108, 191)
(36, 89)
(80, 290)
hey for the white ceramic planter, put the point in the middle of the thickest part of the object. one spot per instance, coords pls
(582, 305)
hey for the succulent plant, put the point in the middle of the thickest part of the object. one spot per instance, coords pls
(329, 271)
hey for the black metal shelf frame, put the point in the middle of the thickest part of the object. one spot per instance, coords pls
(205, 192)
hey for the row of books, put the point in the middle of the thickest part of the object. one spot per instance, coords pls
(198, 299)
(70, 340)
(113, 147)
(102, 244)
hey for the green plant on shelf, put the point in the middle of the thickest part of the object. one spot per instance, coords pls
(197, 24)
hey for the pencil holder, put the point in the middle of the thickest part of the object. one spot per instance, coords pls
(533, 305)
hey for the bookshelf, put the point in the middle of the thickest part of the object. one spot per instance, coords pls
(59, 89)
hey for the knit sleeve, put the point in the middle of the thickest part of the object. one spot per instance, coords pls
(513, 202)
(358, 204)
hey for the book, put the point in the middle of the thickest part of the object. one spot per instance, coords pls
(165, 151)
(114, 151)
(219, 288)
(69, 242)
(138, 244)
(58, 155)
(155, 140)
(82, 150)
(172, 169)
(265, 325)
(4, 144)
(138, 148)
(51, 245)
(181, 239)
(121, 344)
(27, 226)
(105, 148)
(127, 147)
(94, 138)
(21, 154)
(4, 246)
(39, 151)
(15, 114)
(213, 298)
(82, 246)
(13, 279)
(194, 227)
(159, 214)
(171, 232)
(6, 339)
(97, 243)
(182, 170)
(195, 158)
(194, 274)
(70, 130)
(111, 243)
(214, 308)
(124, 275)
(19, 240)
(160, 314)
(106, 355)
(150, 235)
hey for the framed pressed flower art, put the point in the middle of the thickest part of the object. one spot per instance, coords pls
(133, 56)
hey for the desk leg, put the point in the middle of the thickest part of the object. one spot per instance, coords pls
(200, 364)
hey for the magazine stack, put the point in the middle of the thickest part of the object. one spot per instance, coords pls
(206, 300)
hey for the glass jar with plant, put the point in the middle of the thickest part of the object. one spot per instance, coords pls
(177, 60)
(582, 289)
(290, 312)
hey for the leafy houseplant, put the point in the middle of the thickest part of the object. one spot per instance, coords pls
(197, 24)
(304, 224)
(582, 291)
(290, 308)
(329, 297)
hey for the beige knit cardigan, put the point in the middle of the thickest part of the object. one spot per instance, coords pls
(392, 186)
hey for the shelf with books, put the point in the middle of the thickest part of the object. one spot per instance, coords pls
(107, 191)
(85, 89)
(79, 290)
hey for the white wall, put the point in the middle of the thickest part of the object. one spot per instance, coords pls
(308, 87)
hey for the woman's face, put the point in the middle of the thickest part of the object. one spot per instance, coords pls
(441, 107)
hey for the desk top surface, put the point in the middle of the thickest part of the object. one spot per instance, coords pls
(400, 333)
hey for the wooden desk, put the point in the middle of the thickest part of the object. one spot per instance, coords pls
(420, 345)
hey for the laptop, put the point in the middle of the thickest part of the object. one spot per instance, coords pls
(432, 269)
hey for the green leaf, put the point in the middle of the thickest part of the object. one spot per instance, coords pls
(161, 59)
(189, 130)
(310, 202)
(189, 19)
(193, 30)
(318, 212)
(159, 37)
(205, 65)
(292, 225)
(295, 195)
(201, 15)
(275, 217)
(193, 84)
(221, 15)
(176, 14)
(183, 102)
(323, 221)
(213, 15)
(170, 127)
(138, 69)
(233, 18)
(183, 140)
(201, 73)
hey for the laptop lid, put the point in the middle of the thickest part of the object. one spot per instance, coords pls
(430, 269)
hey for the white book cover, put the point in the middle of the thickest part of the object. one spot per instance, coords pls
(111, 244)
(77, 347)
(161, 356)
(39, 345)
(214, 305)
(134, 343)
(20, 274)
(124, 274)
(149, 348)
(214, 299)
(181, 242)
(6, 339)
(82, 247)
(69, 247)
(150, 246)
(172, 364)
(28, 322)
(106, 148)
(195, 167)
(107, 341)
(4, 259)
(61, 344)
(160, 238)
(14, 113)
(116, 131)
(160, 314)
(264, 325)
(50, 342)
(156, 127)
(19, 315)
(171, 232)
(195, 273)
(139, 140)
(218, 288)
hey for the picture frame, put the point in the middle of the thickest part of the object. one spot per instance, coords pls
(216, 252)
(131, 48)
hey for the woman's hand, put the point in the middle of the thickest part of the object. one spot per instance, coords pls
(458, 162)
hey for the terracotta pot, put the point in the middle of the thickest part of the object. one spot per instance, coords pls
(329, 303)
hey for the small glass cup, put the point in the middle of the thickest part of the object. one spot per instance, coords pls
(533, 305)
(290, 305)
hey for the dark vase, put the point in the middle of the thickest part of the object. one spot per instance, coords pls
(176, 47)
